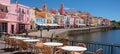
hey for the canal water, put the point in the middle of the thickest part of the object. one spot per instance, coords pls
(112, 36)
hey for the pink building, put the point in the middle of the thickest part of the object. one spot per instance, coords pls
(7, 18)
(13, 17)
(22, 13)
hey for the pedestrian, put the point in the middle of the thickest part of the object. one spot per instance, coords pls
(26, 32)
(48, 28)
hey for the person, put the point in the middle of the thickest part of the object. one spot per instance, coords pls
(26, 32)
(48, 28)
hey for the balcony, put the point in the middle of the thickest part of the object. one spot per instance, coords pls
(21, 15)
(2, 15)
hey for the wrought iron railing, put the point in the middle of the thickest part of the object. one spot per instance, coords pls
(108, 48)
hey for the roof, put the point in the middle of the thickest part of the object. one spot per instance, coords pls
(40, 14)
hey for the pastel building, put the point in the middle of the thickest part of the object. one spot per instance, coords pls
(32, 18)
(22, 13)
(55, 20)
(40, 19)
(66, 21)
(8, 19)
(86, 18)
(94, 21)
(81, 22)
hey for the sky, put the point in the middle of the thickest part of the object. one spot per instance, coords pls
(109, 9)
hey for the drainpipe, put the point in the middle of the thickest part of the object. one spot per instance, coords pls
(0, 30)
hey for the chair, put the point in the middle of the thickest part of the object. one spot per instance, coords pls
(75, 53)
(65, 42)
(39, 47)
(23, 45)
(7, 42)
(47, 50)
(58, 52)
(13, 43)
(99, 51)
(44, 40)
(81, 45)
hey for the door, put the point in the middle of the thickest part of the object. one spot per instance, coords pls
(12, 29)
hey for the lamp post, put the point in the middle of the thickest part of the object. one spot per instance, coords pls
(41, 31)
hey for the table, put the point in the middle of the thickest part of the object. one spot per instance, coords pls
(53, 44)
(74, 48)
(31, 40)
(21, 38)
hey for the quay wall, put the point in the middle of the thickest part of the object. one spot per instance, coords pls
(86, 30)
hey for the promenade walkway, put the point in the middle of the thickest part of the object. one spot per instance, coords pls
(49, 33)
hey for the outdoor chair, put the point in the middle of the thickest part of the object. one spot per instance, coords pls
(44, 40)
(58, 52)
(7, 42)
(39, 46)
(81, 45)
(75, 53)
(13, 43)
(65, 42)
(23, 46)
(99, 51)
(47, 50)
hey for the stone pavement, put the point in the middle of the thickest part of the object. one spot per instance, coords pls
(49, 33)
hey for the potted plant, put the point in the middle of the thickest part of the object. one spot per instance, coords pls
(57, 38)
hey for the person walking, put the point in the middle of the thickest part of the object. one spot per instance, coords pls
(48, 28)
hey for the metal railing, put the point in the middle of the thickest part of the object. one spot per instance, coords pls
(108, 48)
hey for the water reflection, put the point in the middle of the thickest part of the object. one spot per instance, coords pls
(112, 36)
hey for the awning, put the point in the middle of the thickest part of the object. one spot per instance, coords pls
(48, 24)
(82, 24)
(26, 23)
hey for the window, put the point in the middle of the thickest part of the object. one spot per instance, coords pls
(23, 11)
(19, 10)
(27, 11)
(27, 19)
(21, 19)
(6, 10)
(4, 27)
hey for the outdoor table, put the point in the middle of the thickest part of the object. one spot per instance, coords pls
(21, 38)
(31, 40)
(52, 45)
(74, 48)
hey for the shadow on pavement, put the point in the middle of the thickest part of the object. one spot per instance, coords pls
(9, 49)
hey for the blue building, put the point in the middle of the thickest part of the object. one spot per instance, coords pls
(40, 22)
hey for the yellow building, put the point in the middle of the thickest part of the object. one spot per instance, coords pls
(99, 21)
(48, 17)
(94, 21)
(32, 17)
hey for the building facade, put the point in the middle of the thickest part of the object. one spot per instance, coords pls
(32, 18)
(22, 13)
(8, 19)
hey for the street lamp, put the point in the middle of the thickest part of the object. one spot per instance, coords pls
(41, 31)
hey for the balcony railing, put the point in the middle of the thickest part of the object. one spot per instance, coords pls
(3, 15)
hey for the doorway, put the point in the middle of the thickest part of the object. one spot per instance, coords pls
(12, 29)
